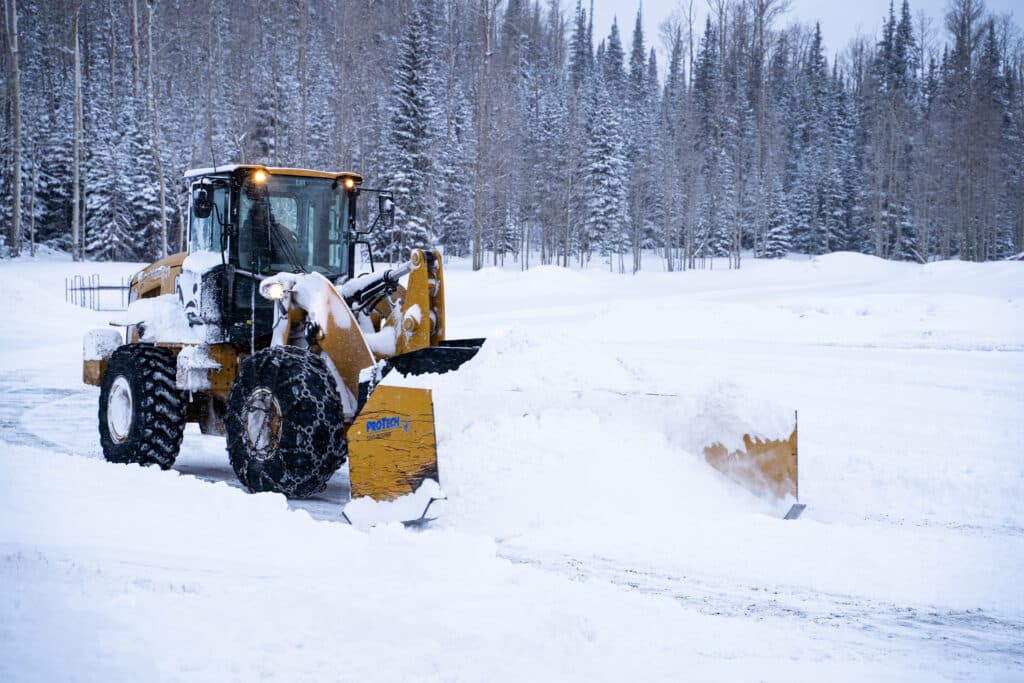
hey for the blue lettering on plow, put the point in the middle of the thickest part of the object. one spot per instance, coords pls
(384, 424)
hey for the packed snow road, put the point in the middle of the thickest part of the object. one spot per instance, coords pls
(581, 530)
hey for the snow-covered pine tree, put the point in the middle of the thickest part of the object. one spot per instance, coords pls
(612, 67)
(452, 167)
(778, 240)
(101, 189)
(54, 192)
(709, 125)
(814, 155)
(840, 168)
(639, 115)
(581, 58)
(603, 182)
(552, 162)
(651, 233)
(409, 159)
(260, 139)
(138, 222)
(668, 159)
(905, 93)
(993, 236)
(1013, 198)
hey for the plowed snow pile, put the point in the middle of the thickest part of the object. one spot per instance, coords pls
(583, 538)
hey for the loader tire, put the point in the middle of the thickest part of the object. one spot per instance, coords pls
(285, 423)
(142, 412)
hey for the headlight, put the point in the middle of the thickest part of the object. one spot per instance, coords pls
(274, 291)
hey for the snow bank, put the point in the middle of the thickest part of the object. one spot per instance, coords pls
(578, 507)
(366, 512)
(196, 582)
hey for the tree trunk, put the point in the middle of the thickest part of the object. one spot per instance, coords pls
(76, 146)
(32, 205)
(303, 81)
(12, 44)
(154, 117)
(135, 47)
(112, 56)
(483, 130)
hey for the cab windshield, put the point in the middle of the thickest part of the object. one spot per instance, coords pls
(293, 224)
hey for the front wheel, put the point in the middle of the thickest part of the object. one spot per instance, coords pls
(142, 413)
(285, 423)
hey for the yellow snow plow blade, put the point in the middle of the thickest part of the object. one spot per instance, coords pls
(391, 445)
(761, 466)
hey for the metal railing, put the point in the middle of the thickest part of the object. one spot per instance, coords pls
(87, 291)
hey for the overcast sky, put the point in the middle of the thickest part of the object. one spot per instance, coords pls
(840, 20)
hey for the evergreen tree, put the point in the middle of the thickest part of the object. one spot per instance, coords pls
(54, 192)
(580, 53)
(138, 221)
(778, 240)
(709, 119)
(604, 181)
(887, 155)
(814, 155)
(410, 162)
(612, 67)
(454, 215)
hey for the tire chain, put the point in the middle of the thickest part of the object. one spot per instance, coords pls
(312, 444)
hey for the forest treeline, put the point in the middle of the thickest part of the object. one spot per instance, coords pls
(508, 130)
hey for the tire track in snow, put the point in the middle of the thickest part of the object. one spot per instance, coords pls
(15, 402)
(969, 635)
(972, 635)
(19, 397)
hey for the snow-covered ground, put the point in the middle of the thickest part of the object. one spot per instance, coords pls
(584, 538)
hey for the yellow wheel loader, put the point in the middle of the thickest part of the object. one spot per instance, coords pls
(262, 332)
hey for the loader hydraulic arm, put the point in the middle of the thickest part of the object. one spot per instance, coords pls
(364, 293)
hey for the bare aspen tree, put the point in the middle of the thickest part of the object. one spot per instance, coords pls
(76, 146)
(691, 22)
(303, 79)
(154, 117)
(11, 24)
(32, 205)
(135, 46)
(208, 89)
(112, 57)
(488, 10)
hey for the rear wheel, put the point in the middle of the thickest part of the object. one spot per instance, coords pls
(285, 423)
(141, 412)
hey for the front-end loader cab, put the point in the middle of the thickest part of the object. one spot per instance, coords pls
(249, 222)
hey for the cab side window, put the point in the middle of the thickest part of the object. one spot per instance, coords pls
(206, 232)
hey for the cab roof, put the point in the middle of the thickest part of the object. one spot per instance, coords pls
(272, 170)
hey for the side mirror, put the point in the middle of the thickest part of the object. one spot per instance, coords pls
(386, 207)
(202, 202)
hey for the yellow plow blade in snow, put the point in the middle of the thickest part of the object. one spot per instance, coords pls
(763, 466)
(391, 445)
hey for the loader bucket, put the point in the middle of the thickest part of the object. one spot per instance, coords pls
(445, 357)
(762, 466)
(393, 457)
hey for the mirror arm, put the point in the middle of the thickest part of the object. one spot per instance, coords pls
(352, 254)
